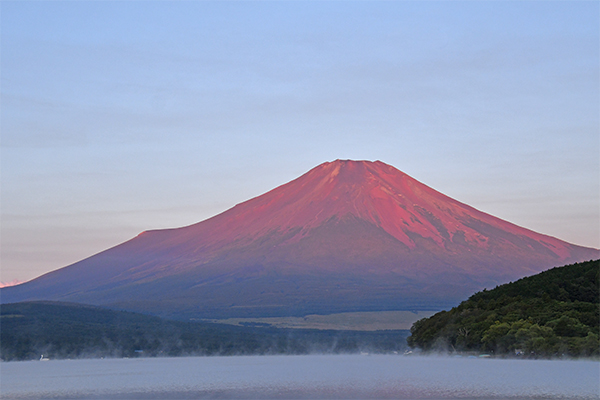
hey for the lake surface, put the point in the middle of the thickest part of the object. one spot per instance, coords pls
(301, 377)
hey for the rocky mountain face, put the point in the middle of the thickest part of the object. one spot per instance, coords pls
(345, 236)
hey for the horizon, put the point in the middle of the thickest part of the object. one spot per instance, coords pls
(125, 117)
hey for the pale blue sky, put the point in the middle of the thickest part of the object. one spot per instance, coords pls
(117, 117)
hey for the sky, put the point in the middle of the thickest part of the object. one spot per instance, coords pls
(120, 117)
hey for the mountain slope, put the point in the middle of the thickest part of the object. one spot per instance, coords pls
(345, 236)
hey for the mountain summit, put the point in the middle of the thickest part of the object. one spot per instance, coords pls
(345, 236)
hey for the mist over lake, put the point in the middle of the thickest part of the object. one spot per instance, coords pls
(312, 377)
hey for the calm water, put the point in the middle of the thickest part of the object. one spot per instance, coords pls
(290, 377)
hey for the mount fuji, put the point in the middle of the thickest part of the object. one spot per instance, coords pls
(345, 236)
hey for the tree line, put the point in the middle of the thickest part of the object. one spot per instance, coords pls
(66, 330)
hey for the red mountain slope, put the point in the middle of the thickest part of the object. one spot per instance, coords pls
(347, 235)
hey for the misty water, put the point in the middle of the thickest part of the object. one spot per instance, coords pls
(289, 377)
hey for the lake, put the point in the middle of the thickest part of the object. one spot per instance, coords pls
(301, 377)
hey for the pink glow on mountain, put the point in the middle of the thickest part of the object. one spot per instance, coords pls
(345, 236)
(371, 191)
(11, 283)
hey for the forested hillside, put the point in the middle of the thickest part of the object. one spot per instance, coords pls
(554, 313)
(67, 330)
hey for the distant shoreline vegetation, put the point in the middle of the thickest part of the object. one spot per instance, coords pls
(30, 330)
(552, 314)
